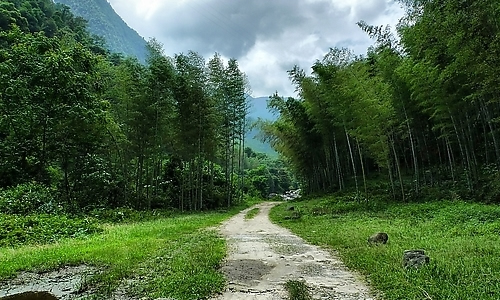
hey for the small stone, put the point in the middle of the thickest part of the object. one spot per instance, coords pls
(415, 259)
(378, 238)
(291, 208)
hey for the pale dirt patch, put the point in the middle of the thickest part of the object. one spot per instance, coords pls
(263, 256)
(64, 283)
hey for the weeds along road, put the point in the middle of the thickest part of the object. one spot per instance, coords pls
(263, 257)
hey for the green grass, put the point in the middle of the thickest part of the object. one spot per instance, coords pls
(252, 213)
(174, 257)
(297, 290)
(462, 240)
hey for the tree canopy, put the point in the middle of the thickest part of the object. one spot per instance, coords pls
(422, 104)
(100, 130)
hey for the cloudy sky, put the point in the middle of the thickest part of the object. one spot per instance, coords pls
(267, 37)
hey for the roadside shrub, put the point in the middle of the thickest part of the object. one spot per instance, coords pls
(16, 230)
(128, 215)
(29, 198)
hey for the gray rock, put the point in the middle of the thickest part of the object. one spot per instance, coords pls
(378, 238)
(291, 208)
(415, 259)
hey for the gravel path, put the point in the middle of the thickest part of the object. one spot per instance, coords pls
(263, 256)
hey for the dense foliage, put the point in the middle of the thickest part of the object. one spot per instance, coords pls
(84, 128)
(422, 105)
(265, 176)
(39, 229)
(54, 20)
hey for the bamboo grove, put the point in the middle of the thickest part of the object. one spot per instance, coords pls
(420, 108)
(95, 129)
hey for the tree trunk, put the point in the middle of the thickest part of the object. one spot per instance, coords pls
(413, 152)
(398, 169)
(362, 169)
(450, 159)
(492, 131)
(352, 160)
(337, 160)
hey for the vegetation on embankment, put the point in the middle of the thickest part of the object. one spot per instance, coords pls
(462, 240)
(175, 256)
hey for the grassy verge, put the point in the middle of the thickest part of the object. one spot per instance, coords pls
(252, 213)
(174, 257)
(462, 240)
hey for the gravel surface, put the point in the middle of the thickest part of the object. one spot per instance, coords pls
(263, 256)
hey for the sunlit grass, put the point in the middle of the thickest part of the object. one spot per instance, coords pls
(178, 256)
(462, 240)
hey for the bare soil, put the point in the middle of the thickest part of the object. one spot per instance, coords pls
(263, 256)
(64, 283)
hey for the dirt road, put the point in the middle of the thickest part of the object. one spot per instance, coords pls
(263, 256)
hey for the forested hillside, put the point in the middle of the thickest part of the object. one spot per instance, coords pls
(105, 22)
(420, 109)
(54, 20)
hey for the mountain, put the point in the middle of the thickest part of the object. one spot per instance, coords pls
(258, 109)
(104, 21)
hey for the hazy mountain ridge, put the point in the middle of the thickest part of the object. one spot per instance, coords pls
(258, 109)
(104, 21)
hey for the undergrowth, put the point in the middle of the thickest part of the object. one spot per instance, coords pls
(462, 240)
(18, 230)
(38, 229)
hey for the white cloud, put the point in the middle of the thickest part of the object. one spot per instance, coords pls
(267, 37)
(147, 8)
